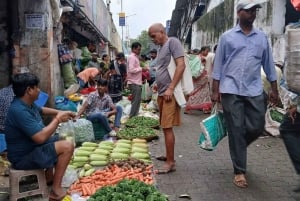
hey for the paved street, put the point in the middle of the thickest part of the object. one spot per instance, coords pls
(207, 176)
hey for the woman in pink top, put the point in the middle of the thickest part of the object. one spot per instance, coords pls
(87, 76)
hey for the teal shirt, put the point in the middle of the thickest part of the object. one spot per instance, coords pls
(22, 122)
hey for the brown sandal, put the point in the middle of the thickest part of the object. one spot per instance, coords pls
(240, 181)
(166, 169)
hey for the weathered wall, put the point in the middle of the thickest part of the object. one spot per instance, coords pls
(4, 59)
(37, 47)
(208, 29)
(210, 26)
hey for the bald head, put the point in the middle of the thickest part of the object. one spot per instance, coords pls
(156, 27)
(157, 33)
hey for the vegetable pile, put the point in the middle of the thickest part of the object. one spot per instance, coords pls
(93, 154)
(141, 121)
(113, 174)
(137, 132)
(129, 190)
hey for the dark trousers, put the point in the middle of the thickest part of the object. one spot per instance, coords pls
(136, 91)
(245, 120)
(290, 133)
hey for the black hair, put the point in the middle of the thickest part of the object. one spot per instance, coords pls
(102, 82)
(153, 51)
(135, 45)
(104, 55)
(204, 48)
(120, 55)
(21, 82)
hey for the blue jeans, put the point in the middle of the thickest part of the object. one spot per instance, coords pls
(103, 120)
(81, 83)
(290, 133)
(118, 116)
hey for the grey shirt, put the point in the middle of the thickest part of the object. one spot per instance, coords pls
(171, 47)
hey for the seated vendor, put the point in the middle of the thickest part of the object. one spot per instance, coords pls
(88, 76)
(99, 106)
(31, 144)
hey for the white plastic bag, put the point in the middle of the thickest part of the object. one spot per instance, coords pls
(69, 177)
(272, 124)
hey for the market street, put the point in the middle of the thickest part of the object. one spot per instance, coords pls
(207, 176)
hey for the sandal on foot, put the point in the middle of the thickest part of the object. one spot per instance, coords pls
(161, 158)
(166, 170)
(240, 181)
(54, 197)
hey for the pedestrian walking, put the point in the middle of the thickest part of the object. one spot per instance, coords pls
(134, 78)
(289, 130)
(170, 48)
(241, 52)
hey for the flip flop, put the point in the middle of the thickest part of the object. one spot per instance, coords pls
(240, 182)
(54, 197)
(161, 158)
(166, 170)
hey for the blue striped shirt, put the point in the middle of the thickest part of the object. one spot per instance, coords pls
(238, 62)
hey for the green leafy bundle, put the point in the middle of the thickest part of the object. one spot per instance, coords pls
(128, 190)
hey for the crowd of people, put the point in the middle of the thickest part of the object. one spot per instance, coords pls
(231, 74)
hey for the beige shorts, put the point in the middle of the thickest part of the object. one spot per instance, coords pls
(169, 112)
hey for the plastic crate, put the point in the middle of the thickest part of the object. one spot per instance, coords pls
(2, 143)
(99, 131)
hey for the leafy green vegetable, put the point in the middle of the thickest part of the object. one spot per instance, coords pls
(140, 121)
(276, 115)
(137, 132)
(128, 190)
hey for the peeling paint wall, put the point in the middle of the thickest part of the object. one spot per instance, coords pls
(4, 59)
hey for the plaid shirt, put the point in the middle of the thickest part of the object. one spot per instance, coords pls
(6, 97)
(97, 103)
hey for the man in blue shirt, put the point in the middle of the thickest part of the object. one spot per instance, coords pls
(31, 144)
(241, 52)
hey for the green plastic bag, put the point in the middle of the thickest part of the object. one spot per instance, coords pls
(213, 130)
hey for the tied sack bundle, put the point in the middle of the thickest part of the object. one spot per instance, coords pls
(292, 70)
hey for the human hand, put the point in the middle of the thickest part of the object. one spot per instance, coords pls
(168, 94)
(215, 97)
(63, 116)
(274, 97)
